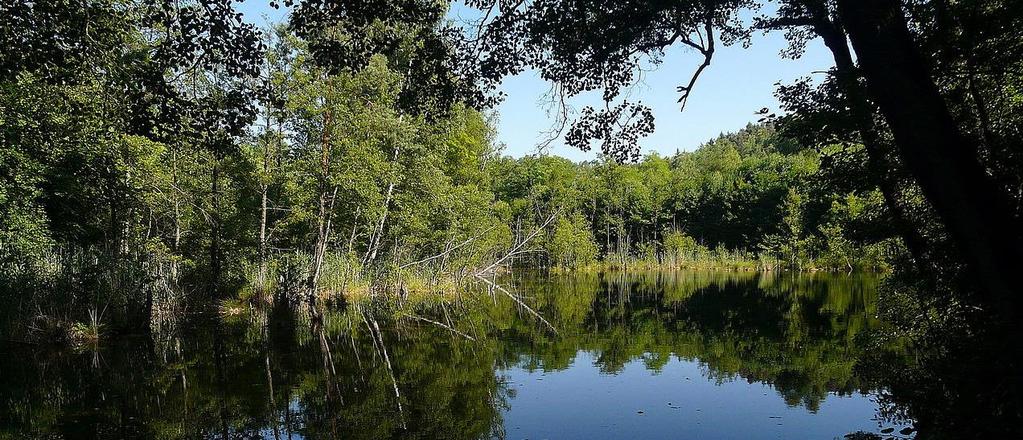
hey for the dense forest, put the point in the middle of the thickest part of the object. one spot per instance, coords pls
(331, 188)
(158, 157)
(752, 199)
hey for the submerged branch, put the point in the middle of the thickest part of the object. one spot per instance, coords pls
(519, 301)
(378, 337)
(442, 325)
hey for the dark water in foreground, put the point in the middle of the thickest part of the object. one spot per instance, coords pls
(657, 355)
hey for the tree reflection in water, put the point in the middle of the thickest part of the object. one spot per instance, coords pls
(436, 369)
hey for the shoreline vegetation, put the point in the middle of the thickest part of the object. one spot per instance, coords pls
(332, 191)
(168, 160)
(601, 216)
(352, 282)
(343, 276)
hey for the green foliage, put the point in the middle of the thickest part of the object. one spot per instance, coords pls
(745, 200)
(571, 245)
(680, 248)
(336, 184)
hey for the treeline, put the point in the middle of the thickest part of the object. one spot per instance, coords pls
(314, 177)
(750, 199)
(132, 185)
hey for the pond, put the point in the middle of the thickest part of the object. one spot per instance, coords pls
(708, 355)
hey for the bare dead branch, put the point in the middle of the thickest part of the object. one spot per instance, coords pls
(496, 286)
(449, 250)
(520, 245)
(708, 54)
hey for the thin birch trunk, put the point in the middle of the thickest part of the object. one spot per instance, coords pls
(177, 213)
(374, 244)
(264, 190)
(321, 227)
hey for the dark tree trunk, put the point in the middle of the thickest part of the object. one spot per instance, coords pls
(946, 164)
(849, 78)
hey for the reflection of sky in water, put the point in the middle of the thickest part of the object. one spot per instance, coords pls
(796, 338)
(677, 402)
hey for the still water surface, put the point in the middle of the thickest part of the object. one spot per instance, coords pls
(702, 355)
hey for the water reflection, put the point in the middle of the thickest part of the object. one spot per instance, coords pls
(653, 355)
(797, 333)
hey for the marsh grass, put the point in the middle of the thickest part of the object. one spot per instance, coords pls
(78, 296)
(49, 329)
(344, 276)
(695, 257)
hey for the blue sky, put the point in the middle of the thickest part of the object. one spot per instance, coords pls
(738, 83)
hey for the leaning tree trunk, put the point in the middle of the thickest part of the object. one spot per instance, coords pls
(976, 212)
(835, 39)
